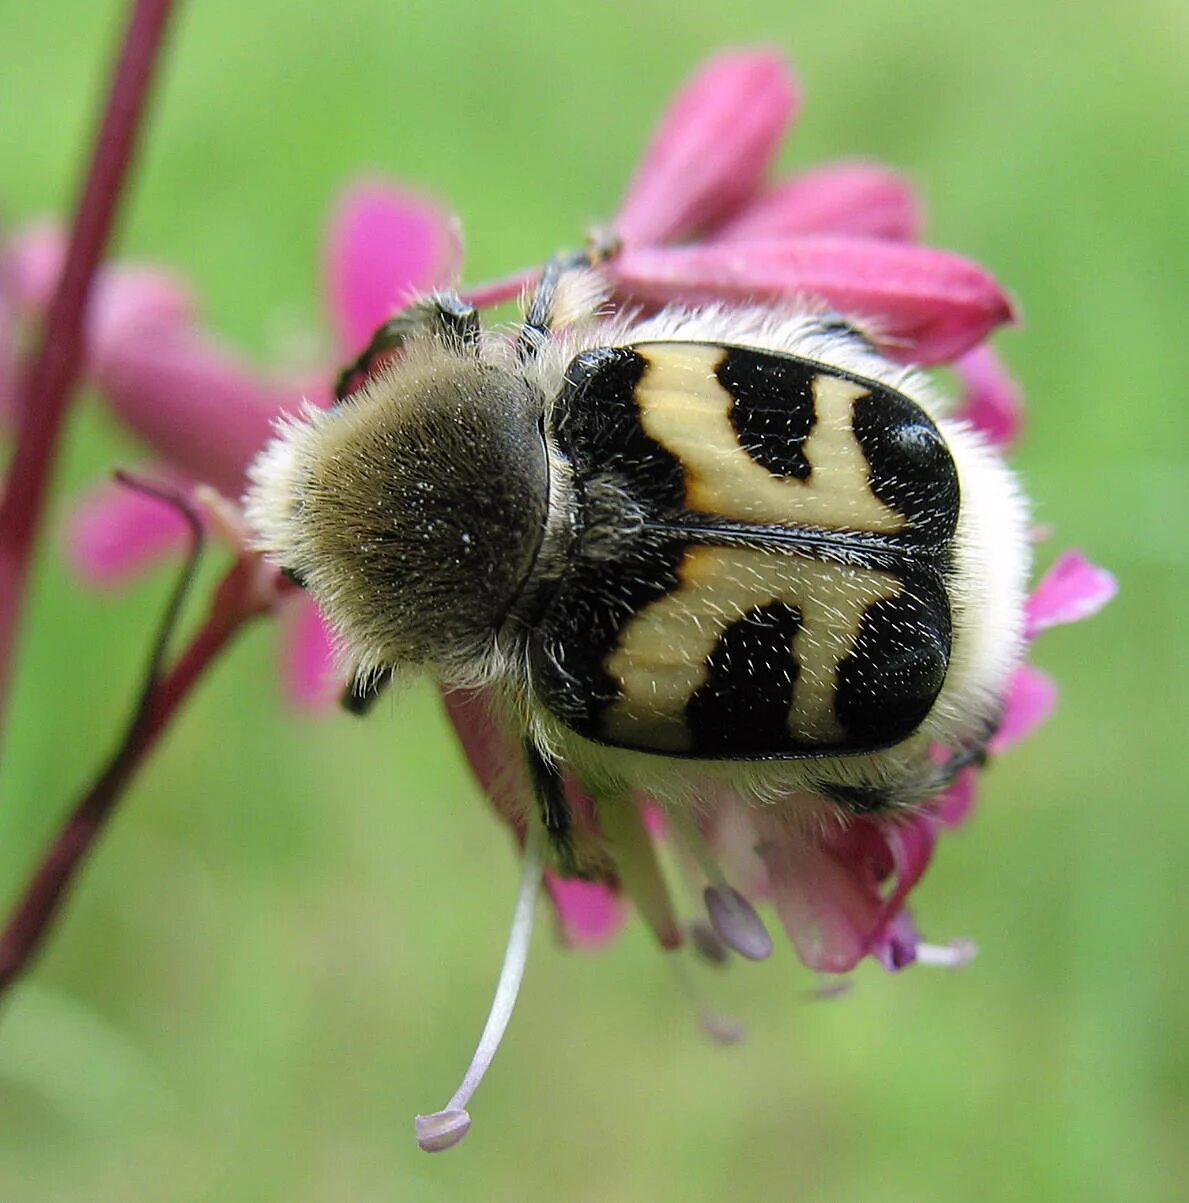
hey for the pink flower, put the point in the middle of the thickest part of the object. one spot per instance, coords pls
(843, 234)
(700, 222)
(200, 408)
(711, 149)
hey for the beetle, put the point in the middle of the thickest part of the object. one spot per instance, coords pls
(708, 547)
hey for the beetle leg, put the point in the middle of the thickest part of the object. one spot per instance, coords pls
(541, 316)
(361, 694)
(445, 314)
(554, 807)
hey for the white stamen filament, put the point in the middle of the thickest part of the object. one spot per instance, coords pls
(831, 988)
(683, 823)
(954, 955)
(444, 1129)
(719, 1027)
(703, 938)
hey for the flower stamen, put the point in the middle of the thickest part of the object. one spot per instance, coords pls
(444, 1129)
(733, 918)
(830, 989)
(719, 1027)
(736, 923)
(705, 942)
(630, 844)
(957, 954)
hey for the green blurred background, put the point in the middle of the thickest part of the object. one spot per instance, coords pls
(286, 945)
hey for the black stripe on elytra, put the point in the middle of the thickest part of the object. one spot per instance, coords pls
(910, 466)
(896, 669)
(773, 410)
(599, 429)
(580, 627)
(742, 709)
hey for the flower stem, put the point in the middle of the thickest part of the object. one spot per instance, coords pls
(43, 391)
(27, 927)
(237, 599)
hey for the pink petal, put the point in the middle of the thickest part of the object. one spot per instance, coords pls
(830, 895)
(858, 199)
(311, 680)
(925, 305)
(493, 755)
(713, 143)
(831, 908)
(115, 532)
(1071, 590)
(127, 299)
(952, 808)
(498, 762)
(591, 913)
(993, 403)
(136, 302)
(8, 363)
(1031, 698)
(911, 843)
(35, 262)
(384, 246)
(192, 402)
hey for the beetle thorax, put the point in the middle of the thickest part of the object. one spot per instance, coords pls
(414, 509)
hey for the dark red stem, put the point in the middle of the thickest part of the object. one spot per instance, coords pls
(249, 589)
(44, 390)
(46, 891)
